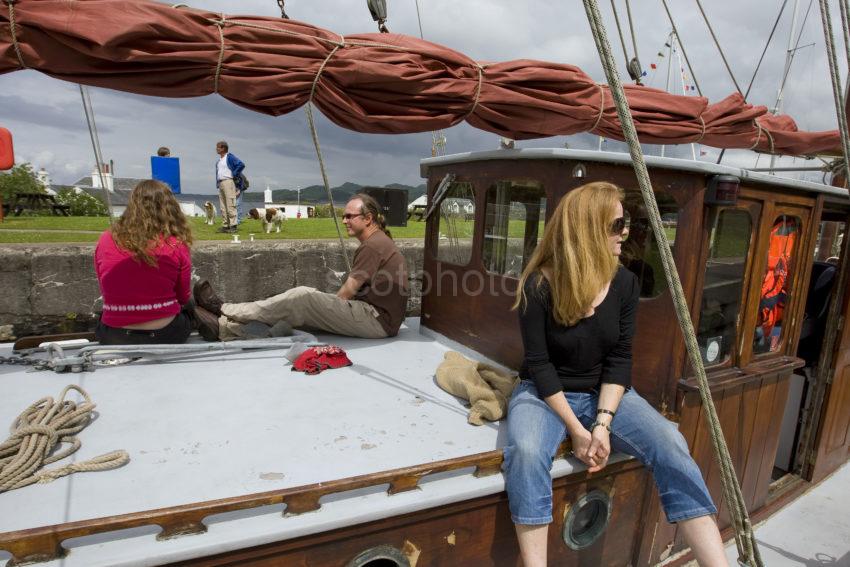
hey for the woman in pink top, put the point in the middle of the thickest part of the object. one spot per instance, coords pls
(144, 266)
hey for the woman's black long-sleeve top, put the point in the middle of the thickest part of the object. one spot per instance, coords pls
(597, 349)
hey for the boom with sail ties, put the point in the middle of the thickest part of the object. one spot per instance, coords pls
(375, 83)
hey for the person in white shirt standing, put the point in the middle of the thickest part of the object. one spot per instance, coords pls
(228, 179)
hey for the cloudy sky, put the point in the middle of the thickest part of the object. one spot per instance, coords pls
(47, 121)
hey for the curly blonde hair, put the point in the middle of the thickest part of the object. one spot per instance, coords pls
(575, 250)
(152, 215)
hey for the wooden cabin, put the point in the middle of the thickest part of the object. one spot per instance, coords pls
(787, 425)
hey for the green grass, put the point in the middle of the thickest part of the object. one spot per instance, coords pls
(88, 229)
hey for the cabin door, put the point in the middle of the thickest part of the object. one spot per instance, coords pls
(833, 440)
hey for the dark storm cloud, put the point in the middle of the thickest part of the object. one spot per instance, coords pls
(22, 109)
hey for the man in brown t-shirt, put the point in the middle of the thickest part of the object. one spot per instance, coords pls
(371, 302)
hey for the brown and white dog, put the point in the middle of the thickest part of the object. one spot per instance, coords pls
(209, 212)
(272, 218)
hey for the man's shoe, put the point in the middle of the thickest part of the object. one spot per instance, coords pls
(207, 324)
(223, 230)
(207, 298)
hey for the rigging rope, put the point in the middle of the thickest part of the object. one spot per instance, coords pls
(758, 65)
(632, 65)
(825, 360)
(98, 154)
(720, 49)
(744, 537)
(636, 61)
(620, 32)
(836, 83)
(314, 134)
(35, 434)
(438, 139)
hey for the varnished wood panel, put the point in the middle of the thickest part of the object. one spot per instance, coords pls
(833, 443)
(834, 446)
(750, 412)
(773, 425)
(477, 532)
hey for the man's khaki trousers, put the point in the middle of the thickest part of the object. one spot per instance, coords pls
(304, 308)
(227, 200)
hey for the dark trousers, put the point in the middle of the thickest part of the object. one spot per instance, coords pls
(175, 332)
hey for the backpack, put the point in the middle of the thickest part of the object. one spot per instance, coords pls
(243, 182)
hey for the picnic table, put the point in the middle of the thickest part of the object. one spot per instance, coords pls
(39, 202)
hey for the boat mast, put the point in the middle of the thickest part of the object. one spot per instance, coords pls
(789, 57)
(669, 45)
(675, 37)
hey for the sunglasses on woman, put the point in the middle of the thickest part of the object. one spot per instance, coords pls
(620, 224)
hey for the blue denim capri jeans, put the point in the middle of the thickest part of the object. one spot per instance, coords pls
(535, 431)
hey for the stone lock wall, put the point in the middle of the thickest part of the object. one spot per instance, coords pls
(53, 288)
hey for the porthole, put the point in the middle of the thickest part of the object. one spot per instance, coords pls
(380, 556)
(579, 171)
(587, 520)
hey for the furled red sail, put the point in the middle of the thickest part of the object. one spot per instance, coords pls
(377, 83)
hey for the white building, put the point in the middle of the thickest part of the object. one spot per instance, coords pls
(191, 209)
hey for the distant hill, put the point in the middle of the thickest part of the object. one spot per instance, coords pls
(317, 194)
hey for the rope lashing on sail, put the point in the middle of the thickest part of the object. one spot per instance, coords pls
(477, 93)
(744, 537)
(759, 130)
(220, 23)
(12, 29)
(601, 107)
(308, 110)
(702, 132)
(35, 434)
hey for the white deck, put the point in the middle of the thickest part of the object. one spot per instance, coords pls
(812, 530)
(240, 424)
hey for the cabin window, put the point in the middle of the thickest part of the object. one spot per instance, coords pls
(828, 244)
(729, 240)
(456, 224)
(776, 283)
(513, 223)
(640, 251)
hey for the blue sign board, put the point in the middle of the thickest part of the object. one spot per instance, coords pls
(167, 170)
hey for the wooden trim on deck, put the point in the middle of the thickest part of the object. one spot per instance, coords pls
(45, 543)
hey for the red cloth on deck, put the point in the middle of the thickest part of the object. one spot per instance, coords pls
(317, 359)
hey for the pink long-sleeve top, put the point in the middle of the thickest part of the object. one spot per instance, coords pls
(134, 292)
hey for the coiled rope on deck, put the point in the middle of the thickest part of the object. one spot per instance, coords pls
(745, 539)
(37, 431)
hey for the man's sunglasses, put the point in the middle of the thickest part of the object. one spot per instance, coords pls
(620, 224)
(349, 216)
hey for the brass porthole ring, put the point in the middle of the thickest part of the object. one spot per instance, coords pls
(380, 556)
(587, 519)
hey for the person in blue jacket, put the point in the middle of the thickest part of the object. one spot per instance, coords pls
(228, 179)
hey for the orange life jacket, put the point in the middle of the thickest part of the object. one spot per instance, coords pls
(774, 288)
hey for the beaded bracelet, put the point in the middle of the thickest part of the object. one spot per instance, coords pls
(596, 424)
